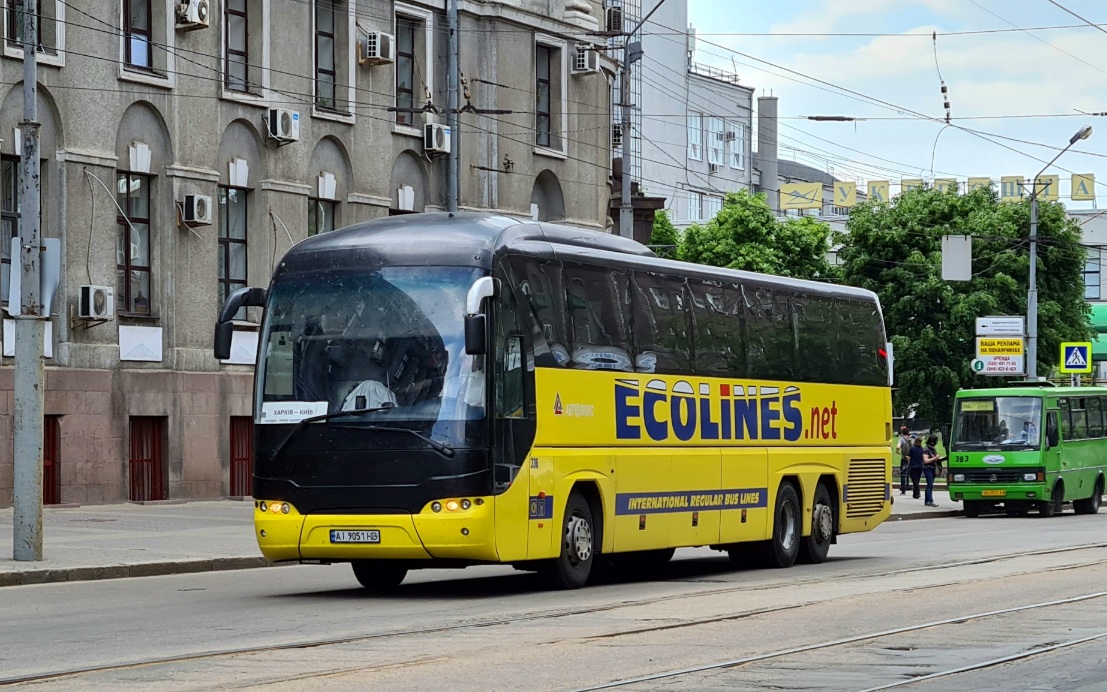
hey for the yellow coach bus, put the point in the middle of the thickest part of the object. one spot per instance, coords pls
(442, 390)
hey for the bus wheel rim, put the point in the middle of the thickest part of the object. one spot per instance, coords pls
(788, 526)
(578, 539)
(824, 523)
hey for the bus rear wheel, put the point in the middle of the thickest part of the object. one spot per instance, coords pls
(783, 548)
(1053, 506)
(814, 548)
(571, 568)
(1090, 505)
(378, 575)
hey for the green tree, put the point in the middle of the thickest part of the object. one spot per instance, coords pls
(746, 235)
(895, 250)
(665, 238)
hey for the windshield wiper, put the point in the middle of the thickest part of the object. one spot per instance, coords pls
(324, 417)
(437, 446)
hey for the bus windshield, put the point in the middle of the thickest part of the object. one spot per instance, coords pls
(387, 337)
(1004, 421)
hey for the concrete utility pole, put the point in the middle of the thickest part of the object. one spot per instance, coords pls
(29, 325)
(632, 53)
(1032, 292)
(452, 118)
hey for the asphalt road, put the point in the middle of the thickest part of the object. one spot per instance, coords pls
(873, 615)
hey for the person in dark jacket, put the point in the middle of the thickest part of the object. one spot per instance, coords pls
(915, 464)
(930, 468)
(903, 446)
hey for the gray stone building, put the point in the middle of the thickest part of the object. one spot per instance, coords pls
(186, 146)
(696, 120)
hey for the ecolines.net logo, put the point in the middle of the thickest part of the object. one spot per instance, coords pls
(663, 411)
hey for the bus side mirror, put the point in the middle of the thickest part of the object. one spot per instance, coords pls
(1052, 438)
(476, 339)
(224, 329)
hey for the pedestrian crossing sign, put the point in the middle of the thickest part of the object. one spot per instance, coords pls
(1076, 357)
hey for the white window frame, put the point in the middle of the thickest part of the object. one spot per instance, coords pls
(737, 152)
(169, 39)
(425, 16)
(716, 140)
(695, 136)
(562, 47)
(260, 98)
(350, 11)
(1093, 255)
(712, 206)
(695, 206)
(55, 59)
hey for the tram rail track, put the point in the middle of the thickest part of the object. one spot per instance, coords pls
(567, 612)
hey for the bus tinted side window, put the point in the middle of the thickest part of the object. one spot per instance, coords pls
(1079, 419)
(661, 325)
(1095, 416)
(817, 336)
(717, 333)
(598, 306)
(1066, 421)
(770, 332)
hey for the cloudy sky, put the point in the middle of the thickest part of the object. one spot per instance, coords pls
(991, 77)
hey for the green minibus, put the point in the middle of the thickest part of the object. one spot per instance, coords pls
(1030, 446)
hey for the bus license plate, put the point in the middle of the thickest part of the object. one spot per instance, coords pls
(370, 536)
(993, 493)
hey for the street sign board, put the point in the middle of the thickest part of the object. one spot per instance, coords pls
(1000, 326)
(999, 365)
(995, 346)
(1076, 357)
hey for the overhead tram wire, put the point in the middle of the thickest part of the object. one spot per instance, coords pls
(1086, 21)
(874, 34)
(1029, 32)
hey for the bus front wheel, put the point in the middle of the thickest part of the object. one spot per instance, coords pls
(783, 549)
(1090, 505)
(814, 548)
(571, 568)
(379, 575)
(1052, 506)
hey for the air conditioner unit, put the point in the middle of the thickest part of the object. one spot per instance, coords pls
(436, 138)
(731, 136)
(714, 167)
(376, 48)
(97, 302)
(586, 61)
(614, 16)
(193, 14)
(284, 125)
(197, 210)
(617, 135)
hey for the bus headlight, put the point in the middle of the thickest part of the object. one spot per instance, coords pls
(958, 478)
(1030, 476)
(264, 506)
(451, 505)
(286, 508)
(436, 506)
(465, 504)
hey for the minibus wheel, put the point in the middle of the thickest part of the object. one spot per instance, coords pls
(1053, 506)
(1090, 505)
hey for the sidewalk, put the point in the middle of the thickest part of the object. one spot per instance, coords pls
(116, 541)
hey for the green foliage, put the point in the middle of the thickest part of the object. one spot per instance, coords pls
(895, 249)
(746, 235)
(665, 238)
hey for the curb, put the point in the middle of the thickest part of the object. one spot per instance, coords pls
(143, 569)
(927, 515)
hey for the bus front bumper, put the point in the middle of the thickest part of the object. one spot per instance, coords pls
(462, 534)
(989, 493)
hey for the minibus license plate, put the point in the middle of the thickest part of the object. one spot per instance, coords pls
(371, 536)
(993, 493)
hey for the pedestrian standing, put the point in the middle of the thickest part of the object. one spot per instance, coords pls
(915, 458)
(904, 449)
(930, 467)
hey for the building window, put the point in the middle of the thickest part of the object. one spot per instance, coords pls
(716, 141)
(326, 21)
(138, 30)
(233, 218)
(737, 137)
(405, 70)
(133, 244)
(542, 97)
(242, 456)
(714, 205)
(236, 22)
(51, 466)
(9, 219)
(695, 206)
(695, 136)
(321, 215)
(1091, 275)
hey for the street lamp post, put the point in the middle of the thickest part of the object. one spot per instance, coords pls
(1032, 292)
